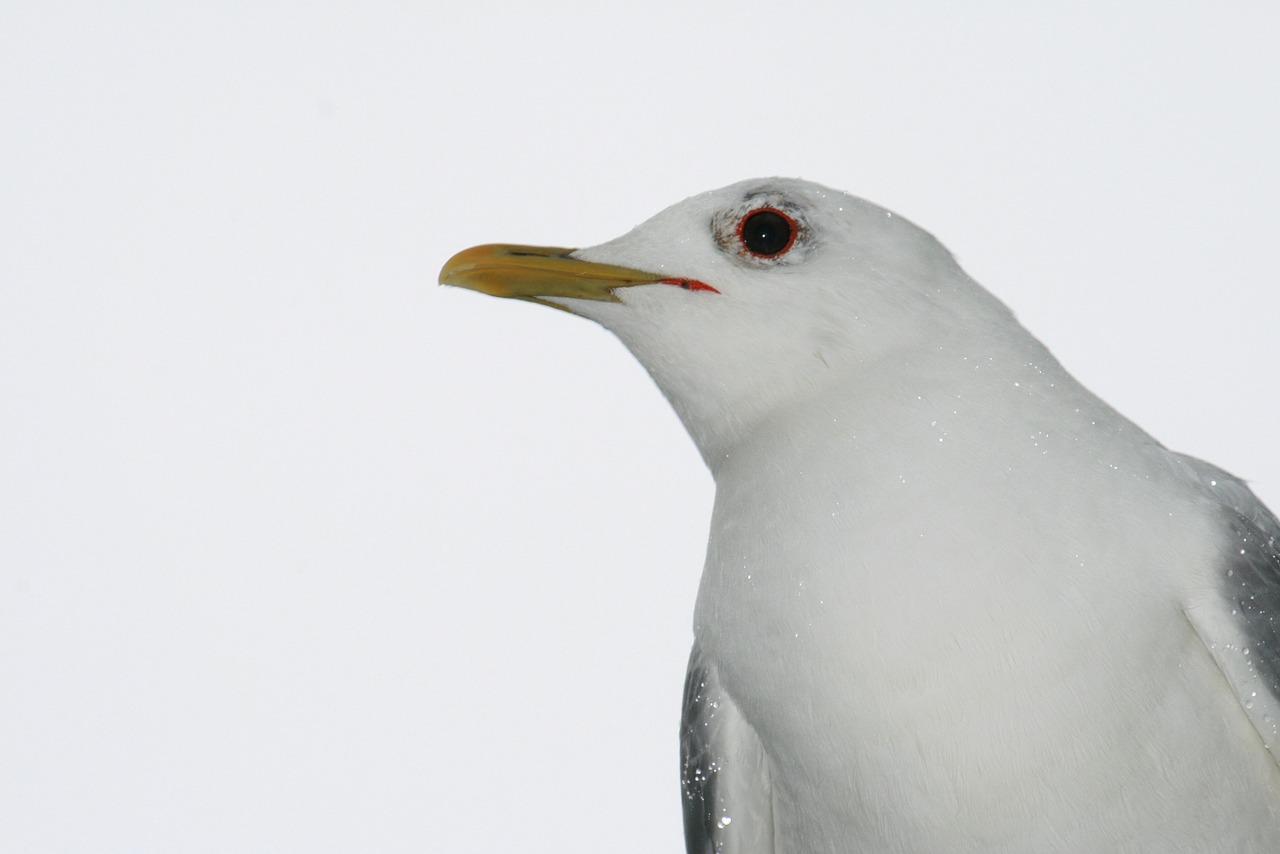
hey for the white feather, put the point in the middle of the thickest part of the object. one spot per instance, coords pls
(946, 586)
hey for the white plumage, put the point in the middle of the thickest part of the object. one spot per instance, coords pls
(952, 601)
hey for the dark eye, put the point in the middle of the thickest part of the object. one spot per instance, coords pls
(767, 233)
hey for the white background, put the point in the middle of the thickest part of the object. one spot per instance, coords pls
(301, 553)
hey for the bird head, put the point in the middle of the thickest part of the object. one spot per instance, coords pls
(751, 299)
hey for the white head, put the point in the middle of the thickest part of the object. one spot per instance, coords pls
(788, 288)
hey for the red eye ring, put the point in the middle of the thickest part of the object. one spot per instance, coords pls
(767, 232)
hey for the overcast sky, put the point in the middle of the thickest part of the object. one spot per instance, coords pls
(301, 553)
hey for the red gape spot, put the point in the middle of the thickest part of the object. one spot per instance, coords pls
(689, 285)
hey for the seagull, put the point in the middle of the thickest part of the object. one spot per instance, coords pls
(952, 601)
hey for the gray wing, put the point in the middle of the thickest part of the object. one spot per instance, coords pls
(1247, 644)
(724, 770)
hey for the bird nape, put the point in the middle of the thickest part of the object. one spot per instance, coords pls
(952, 601)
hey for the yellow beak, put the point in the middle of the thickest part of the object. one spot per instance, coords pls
(533, 272)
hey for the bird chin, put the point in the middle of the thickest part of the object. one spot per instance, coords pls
(573, 306)
(596, 310)
(556, 302)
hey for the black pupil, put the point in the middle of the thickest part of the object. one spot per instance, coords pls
(766, 233)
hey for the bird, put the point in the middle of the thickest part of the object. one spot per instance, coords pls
(952, 600)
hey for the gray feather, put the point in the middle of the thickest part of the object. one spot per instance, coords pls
(724, 771)
(1250, 585)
